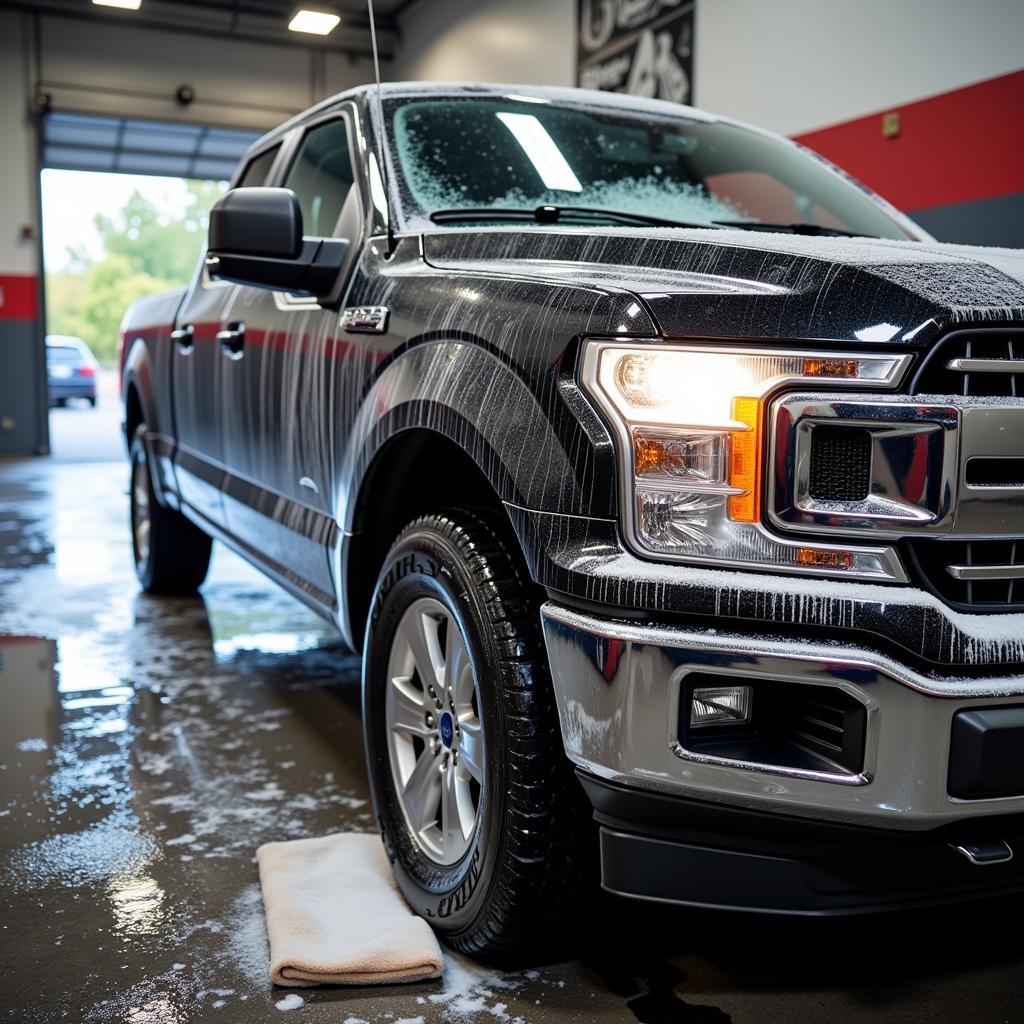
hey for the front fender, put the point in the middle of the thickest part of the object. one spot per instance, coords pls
(538, 456)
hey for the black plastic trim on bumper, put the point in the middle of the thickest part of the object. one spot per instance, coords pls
(985, 753)
(672, 850)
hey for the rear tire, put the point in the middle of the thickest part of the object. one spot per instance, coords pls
(455, 610)
(172, 555)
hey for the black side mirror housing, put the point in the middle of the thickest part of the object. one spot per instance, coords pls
(257, 222)
(255, 238)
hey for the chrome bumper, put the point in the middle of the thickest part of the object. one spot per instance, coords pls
(617, 686)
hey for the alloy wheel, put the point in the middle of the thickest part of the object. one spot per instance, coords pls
(435, 735)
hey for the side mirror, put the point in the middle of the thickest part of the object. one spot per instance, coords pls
(255, 238)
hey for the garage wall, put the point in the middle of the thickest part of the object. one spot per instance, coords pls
(23, 411)
(787, 65)
(794, 65)
(123, 70)
(822, 71)
(526, 41)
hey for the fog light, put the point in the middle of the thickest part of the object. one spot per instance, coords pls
(720, 705)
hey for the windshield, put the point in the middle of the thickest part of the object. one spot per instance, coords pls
(468, 153)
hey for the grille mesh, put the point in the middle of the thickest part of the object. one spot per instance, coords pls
(840, 464)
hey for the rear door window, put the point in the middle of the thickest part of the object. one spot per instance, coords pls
(321, 177)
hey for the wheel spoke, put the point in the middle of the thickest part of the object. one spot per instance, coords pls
(420, 633)
(471, 748)
(423, 790)
(407, 710)
(464, 804)
(456, 665)
(452, 835)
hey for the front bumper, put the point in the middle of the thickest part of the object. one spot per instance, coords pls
(618, 686)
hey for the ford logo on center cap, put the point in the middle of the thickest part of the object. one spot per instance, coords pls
(447, 729)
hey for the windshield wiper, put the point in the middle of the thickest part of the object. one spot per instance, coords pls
(556, 215)
(798, 228)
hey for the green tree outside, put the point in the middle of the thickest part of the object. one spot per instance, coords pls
(145, 251)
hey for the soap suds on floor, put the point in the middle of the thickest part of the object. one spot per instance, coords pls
(290, 1002)
(248, 950)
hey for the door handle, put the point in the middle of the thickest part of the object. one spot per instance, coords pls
(232, 339)
(182, 337)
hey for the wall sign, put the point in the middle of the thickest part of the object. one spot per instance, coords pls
(643, 47)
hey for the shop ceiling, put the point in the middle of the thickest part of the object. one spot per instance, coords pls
(251, 20)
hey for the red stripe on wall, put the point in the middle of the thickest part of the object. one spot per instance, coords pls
(18, 297)
(961, 145)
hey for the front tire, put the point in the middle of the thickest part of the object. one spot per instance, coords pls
(476, 801)
(171, 554)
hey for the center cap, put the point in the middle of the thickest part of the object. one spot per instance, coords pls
(447, 729)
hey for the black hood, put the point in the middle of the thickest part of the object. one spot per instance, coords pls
(746, 284)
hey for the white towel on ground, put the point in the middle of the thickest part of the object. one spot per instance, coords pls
(336, 917)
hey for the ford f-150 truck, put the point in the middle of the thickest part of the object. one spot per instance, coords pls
(654, 466)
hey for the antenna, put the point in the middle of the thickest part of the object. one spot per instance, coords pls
(380, 134)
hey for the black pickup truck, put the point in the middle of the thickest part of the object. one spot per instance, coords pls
(666, 478)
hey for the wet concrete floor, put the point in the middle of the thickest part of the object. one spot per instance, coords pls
(147, 747)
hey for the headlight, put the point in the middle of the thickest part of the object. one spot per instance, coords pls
(689, 424)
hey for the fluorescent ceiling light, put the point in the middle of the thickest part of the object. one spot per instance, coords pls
(542, 151)
(125, 5)
(318, 23)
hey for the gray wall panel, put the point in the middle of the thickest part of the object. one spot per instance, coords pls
(20, 357)
(998, 221)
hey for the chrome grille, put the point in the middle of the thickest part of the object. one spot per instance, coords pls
(986, 362)
(975, 575)
(980, 575)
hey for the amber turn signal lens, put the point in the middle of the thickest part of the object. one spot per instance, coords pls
(816, 559)
(830, 367)
(745, 461)
(647, 454)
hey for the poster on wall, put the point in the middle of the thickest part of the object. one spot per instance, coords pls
(642, 47)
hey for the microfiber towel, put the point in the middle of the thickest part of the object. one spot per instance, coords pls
(335, 915)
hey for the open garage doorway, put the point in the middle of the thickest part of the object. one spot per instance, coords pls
(124, 209)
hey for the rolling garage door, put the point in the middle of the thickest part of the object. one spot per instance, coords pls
(84, 142)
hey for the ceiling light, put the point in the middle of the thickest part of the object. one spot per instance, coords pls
(318, 23)
(125, 5)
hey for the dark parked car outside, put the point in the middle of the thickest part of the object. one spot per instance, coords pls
(71, 369)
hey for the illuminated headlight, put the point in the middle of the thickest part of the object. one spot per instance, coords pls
(690, 429)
